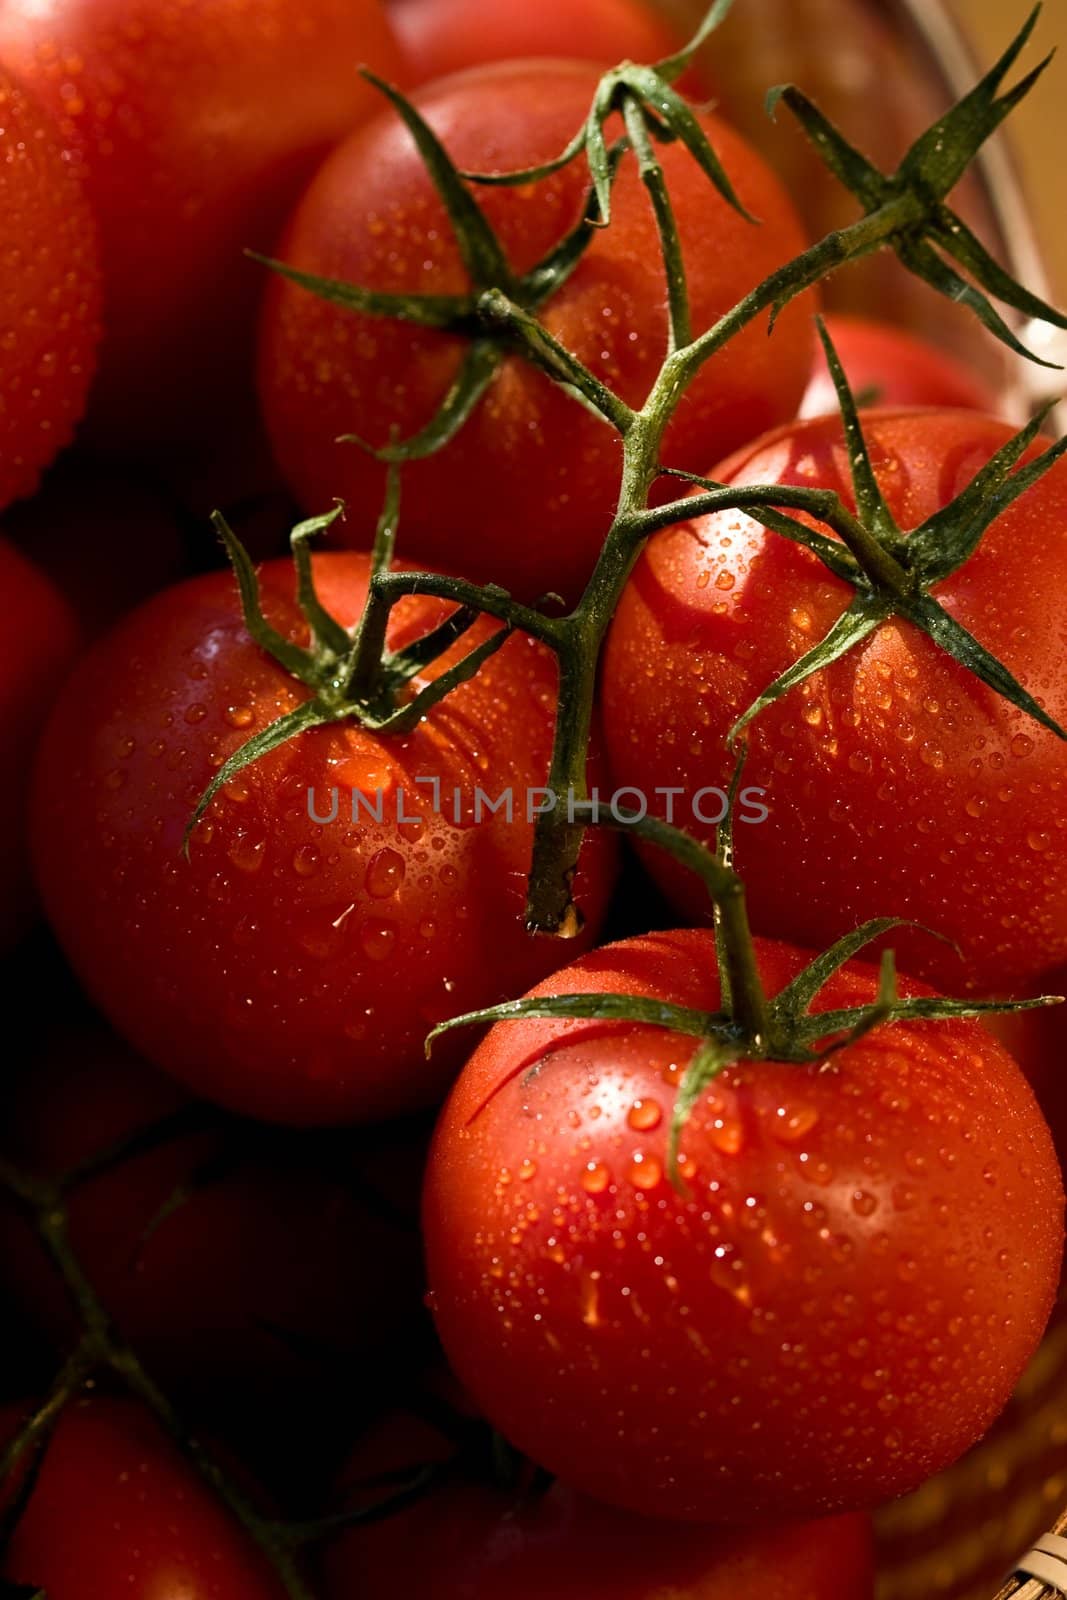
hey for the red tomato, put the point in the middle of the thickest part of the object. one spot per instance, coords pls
(49, 292)
(282, 1261)
(467, 1540)
(196, 125)
(442, 36)
(115, 1510)
(901, 370)
(40, 639)
(897, 784)
(862, 1261)
(292, 968)
(546, 471)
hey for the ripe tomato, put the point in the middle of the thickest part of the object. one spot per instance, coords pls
(546, 471)
(442, 36)
(901, 369)
(40, 640)
(292, 967)
(469, 1540)
(195, 127)
(863, 1258)
(897, 784)
(49, 292)
(284, 1259)
(115, 1510)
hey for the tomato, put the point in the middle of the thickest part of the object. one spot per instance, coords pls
(115, 1510)
(283, 1261)
(897, 784)
(40, 641)
(442, 36)
(523, 495)
(838, 1303)
(196, 126)
(293, 966)
(469, 1540)
(49, 292)
(898, 368)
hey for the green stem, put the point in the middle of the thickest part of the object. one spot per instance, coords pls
(500, 315)
(681, 326)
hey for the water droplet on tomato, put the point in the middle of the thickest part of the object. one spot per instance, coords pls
(644, 1115)
(238, 716)
(645, 1171)
(378, 939)
(306, 861)
(793, 1122)
(385, 874)
(595, 1178)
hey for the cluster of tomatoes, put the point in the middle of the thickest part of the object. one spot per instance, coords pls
(726, 1338)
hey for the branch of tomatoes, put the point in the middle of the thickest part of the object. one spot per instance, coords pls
(102, 1351)
(905, 211)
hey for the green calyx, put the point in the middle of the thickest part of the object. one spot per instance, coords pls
(749, 1025)
(893, 573)
(352, 675)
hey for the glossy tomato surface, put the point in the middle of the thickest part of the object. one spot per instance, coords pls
(466, 1539)
(523, 495)
(40, 642)
(443, 36)
(195, 123)
(894, 368)
(49, 291)
(835, 1305)
(897, 784)
(293, 965)
(115, 1510)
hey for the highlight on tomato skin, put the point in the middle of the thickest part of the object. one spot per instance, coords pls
(467, 1538)
(897, 784)
(835, 1303)
(50, 290)
(195, 127)
(292, 966)
(116, 1510)
(894, 368)
(529, 458)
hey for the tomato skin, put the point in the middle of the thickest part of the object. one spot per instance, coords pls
(196, 127)
(469, 1540)
(546, 472)
(292, 968)
(903, 369)
(49, 292)
(276, 1255)
(839, 1304)
(897, 784)
(115, 1510)
(445, 36)
(40, 642)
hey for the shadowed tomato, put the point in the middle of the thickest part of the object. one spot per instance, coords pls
(835, 1304)
(246, 1269)
(195, 126)
(896, 369)
(343, 894)
(466, 1539)
(897, 783)
(442, 36)
(49, 292)
(116, 1511)
(546, 471)
(40, 640)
